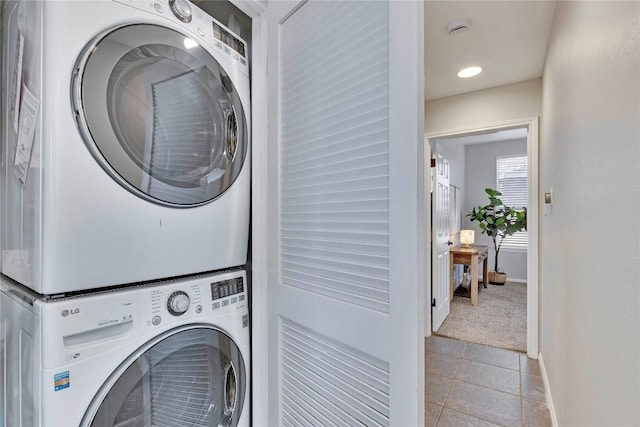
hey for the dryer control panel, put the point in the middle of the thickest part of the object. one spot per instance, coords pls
(227, 44)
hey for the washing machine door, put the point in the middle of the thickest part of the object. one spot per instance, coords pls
(188, 377)
(160, 115)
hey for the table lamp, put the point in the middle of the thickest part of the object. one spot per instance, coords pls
(467, 237)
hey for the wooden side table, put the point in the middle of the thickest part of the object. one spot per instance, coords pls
(471, 256)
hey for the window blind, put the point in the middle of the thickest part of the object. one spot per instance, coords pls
(512, 183)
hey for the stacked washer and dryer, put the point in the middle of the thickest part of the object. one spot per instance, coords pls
(125, 216)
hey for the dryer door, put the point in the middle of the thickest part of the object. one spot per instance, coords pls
(188, 377)
(160, 115)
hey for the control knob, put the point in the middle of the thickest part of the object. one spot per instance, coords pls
(181, 9)
(178, 303)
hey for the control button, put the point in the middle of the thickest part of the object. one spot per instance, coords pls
(234, 55)
(200, 32)
(178, 303)
(225, 302)
(227, 50)
(243, 62)
(181, 9)
(241, 298)
(158, 7)
(218, 45)
(216, 305)
(156, 320)
(234, 300)
(198, 309)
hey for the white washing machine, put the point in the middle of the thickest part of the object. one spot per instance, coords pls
(126, 143)
(174, 354)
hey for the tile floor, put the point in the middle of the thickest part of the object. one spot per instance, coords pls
(474, 385)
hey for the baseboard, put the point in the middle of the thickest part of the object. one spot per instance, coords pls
(547, 391)
(509, 279)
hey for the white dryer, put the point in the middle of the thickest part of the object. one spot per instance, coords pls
(126, 143)
(174, 353)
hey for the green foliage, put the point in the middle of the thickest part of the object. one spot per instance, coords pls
(497, 220)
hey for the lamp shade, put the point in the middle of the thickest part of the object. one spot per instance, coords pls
(467, 237)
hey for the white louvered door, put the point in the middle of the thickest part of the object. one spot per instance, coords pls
(345, 284)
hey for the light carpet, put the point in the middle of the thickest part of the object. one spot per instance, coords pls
(499, 319)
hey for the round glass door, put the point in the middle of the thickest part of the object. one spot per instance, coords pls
(186, 378)
(160, 115)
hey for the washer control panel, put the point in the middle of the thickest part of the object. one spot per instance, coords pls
(190, 298)
(80, 327)
(232, 288)
(178, 303)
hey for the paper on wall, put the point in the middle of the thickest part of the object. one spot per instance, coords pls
(28, 121)
(16, 83)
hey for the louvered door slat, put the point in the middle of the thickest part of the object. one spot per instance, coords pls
(297, 388)
(300, 406)
(370, 82)
(367, 163)
(344, 206)
(349, 371)
(337, 153)
(337, 377)
(358, 274)
(338, 246)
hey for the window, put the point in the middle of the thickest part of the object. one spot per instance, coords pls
(512, 183)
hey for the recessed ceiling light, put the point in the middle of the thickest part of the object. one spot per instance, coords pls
(465, 73)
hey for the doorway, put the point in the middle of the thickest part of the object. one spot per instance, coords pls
(530, 126)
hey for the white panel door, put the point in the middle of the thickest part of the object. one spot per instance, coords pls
(441, 228)
(345, 139)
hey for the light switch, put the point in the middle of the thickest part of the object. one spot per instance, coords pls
(547, 208)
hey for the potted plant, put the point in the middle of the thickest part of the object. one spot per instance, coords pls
(498, 221)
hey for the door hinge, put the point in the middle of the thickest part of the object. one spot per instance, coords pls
(433, 302)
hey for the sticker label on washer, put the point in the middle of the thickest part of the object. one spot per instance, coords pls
(61, 381)
(16, 82)
(28, 120)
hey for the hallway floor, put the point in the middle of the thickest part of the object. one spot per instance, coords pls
(469, 384)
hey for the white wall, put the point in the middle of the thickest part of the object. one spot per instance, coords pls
(484, 107)
(480, 173)
(590, 242)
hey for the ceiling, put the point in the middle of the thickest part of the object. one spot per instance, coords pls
(508, 39)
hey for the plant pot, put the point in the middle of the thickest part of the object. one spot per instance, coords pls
(497, 278)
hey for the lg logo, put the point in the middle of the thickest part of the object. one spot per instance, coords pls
(65, 313)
